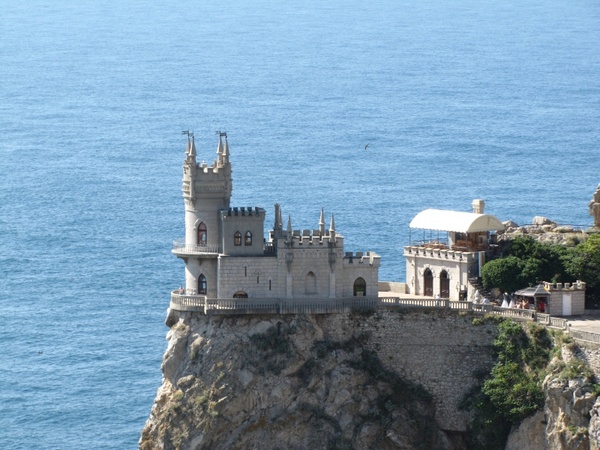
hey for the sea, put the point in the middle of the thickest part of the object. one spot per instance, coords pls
(371, 110)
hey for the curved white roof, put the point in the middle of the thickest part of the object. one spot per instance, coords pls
(457, 221)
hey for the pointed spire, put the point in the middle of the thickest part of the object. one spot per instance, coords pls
(190, 149)
(220, 148)
(278, 225)
(322, 222)
(280, 220)
(226, 152)
(332, 229)
(193, 147)
(289, 225)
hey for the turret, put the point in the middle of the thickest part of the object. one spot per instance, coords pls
(206, 190)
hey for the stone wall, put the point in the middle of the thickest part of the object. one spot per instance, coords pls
(439, 350)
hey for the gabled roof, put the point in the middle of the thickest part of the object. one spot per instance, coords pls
(457, 221)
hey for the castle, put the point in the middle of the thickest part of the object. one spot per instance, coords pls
(227, 256)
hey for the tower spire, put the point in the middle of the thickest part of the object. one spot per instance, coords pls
(222, 149)
(190, 149)
(332, 229)
(278, 225)
(322, 222)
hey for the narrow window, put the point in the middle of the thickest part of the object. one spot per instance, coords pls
(201, 234)
(248, 238)
(310, 283)
(269, 284)
(245, 271)
(237, 238)
(257, 279)
(428, 281)
(202, 284)
(444, 284)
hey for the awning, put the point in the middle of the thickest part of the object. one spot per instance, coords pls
(457, 221)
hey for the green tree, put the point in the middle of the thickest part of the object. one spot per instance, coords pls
(541, 262)
(504, 273)
(583, 263)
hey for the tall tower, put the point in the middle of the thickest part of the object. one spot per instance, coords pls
(206, 190)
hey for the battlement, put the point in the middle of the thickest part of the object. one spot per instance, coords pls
(246, 211)
(370, 258)
(576, 286)
(314, 237)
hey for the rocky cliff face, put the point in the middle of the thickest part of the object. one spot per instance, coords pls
(312, 382)
(386, 380)
(570, 419)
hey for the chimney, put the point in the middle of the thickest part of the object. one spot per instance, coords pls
(478, 206)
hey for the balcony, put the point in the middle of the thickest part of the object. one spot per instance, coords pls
(180, 248)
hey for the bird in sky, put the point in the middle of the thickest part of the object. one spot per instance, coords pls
(366, 146)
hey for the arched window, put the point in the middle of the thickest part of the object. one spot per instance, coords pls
(310, 283)
(240, 294)
(202, 285)
(444, 284)
(237, 238)
(248, 238)
(360, 287)
(201, 234)
(428, 279)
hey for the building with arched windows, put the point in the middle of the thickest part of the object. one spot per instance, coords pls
(449, 251)
(227, 255)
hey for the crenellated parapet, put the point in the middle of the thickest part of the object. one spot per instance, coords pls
(576, 286)
(315, 238)
(439, 253)
(369, 258)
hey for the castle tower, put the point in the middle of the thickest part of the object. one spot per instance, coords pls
(206, 190)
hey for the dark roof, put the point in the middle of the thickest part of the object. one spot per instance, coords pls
(534, 291)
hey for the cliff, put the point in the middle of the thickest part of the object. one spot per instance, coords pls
(390, 379)
(386, 380)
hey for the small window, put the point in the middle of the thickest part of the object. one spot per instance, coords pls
(310, 283)
(237, 238)
(202, 285)
(202, 234)
(248, 238)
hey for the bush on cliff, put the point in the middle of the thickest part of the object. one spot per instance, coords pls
(583, 263)
(513, 389)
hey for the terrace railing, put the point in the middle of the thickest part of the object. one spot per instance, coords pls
(216, 306)
(180, 246)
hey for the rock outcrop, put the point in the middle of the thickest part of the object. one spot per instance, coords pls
(385, 380)
(544, 230)
(315, 382)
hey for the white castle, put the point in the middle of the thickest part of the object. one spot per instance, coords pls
(227, 256)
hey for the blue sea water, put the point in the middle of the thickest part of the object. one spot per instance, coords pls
(457, 100)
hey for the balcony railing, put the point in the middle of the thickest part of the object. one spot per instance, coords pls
(180, 246)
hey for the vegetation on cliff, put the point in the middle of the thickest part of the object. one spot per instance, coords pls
(513, 389)
(528, 261)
